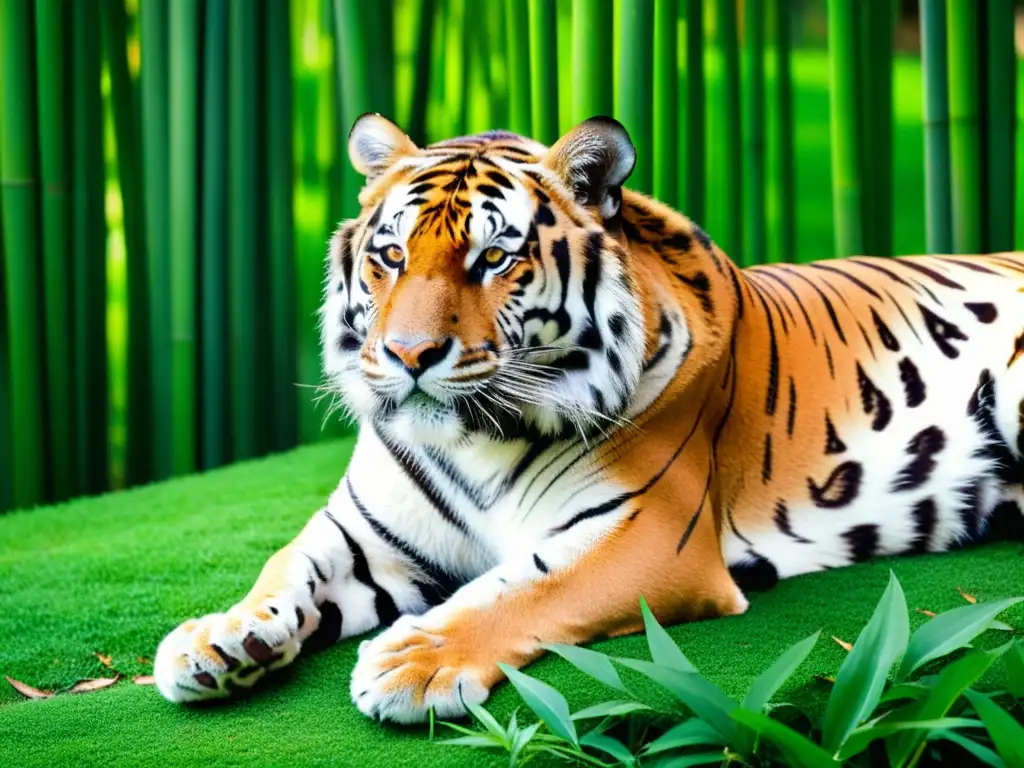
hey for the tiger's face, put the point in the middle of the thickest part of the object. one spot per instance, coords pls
(478, 290)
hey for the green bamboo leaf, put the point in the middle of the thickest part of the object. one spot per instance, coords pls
(473, 741)
(690, 733)
(548, 704)
(704, 698)
(610, 709)
(487, 720)
(862, 676)
(592, 663)
(983, 753)
(799, 751)
(947, 689)
(1007, 734)
(861, 738)
(608, 745)
(664, 650)
(1013, 663)
(513, 726)
(904, 691)
(520, 739)
(685, 761)
(769, 681)
(949, 631)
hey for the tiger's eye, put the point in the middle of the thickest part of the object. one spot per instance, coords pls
(494, 256)
(392, 255)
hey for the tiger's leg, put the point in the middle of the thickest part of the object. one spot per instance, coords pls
(551, 595)
(338, 578)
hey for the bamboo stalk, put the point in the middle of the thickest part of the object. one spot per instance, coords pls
(184, 62)
(380, 17)
(965, 151)
(566, 57)
(89, 250)
(725, 173)
(6, 455)
(490, 96)
(19, 185)
(938, 205)
(355, 95)
(438, 114)
(316, 91)
(154, 91)
(1000, 93)
(278, 161)
(696, 151)
(635, 31)
(876, 115)
(665, 144)
(785, 205)
(50, 52)
(214, 403)
(544, 70)
(843, 28)
(517, 49)
(754, 161)
(592, 61)
(139, 426)
(426, 15)
(242, 213)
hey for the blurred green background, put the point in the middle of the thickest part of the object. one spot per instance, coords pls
(172, 170)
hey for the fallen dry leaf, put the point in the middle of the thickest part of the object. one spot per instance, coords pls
(929, 614)
(94, 684)
(143, 660)
(825, 679)
(27, 690)
(144, 680)
(969, 598)
(845, 645)
(105, 660)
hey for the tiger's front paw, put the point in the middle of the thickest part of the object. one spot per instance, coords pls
(408, 669)
(211, 657)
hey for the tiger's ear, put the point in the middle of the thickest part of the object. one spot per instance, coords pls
(593, 160)
(375, 144)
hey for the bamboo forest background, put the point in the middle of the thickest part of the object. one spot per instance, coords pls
(172, 169)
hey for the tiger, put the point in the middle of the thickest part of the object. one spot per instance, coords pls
(571, 402)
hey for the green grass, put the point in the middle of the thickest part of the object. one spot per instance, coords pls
(113, 574)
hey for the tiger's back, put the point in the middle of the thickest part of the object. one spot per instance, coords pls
(880, 411)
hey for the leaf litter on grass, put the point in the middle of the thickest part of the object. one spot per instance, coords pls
(93, 684)
(27, 690)
(843, 644)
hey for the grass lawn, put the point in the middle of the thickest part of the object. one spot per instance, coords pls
(113, 574)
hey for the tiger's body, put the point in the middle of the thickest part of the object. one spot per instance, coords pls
(570, 397)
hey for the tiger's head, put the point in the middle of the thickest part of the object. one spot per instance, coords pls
(482, 287)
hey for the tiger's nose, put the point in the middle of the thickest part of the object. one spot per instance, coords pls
(417, 356)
